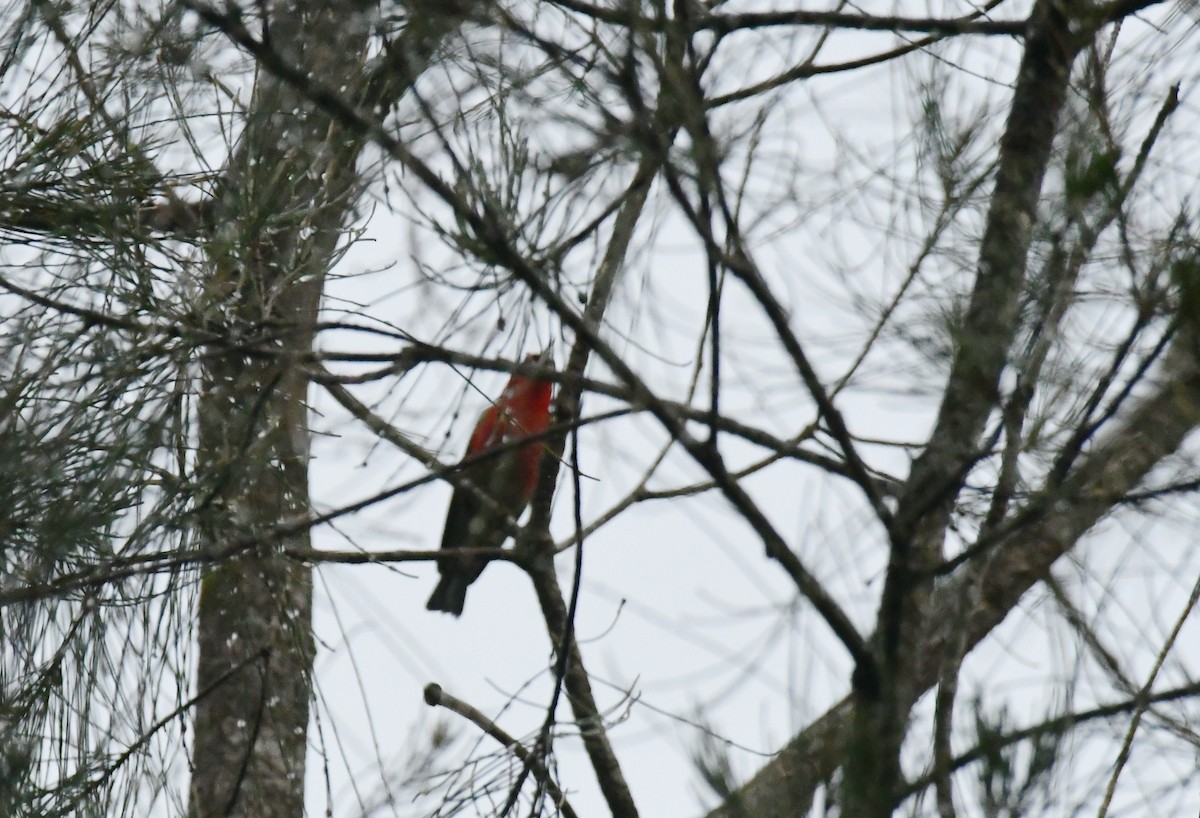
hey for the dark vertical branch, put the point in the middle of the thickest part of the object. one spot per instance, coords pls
(985, 336)
(579, 693)
(558, 615)
(989, 324)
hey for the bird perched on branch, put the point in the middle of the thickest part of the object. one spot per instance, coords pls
(508, 478)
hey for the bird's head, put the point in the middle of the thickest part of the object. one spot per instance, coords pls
(529, 389)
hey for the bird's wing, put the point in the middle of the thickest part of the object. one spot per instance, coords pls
(489, 431)
(464, 507)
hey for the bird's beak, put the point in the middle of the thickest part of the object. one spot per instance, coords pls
(546, 357)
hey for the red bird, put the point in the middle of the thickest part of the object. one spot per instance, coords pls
(509, 478)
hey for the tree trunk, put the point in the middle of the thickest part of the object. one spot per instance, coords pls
(281, 204)
(281, 208)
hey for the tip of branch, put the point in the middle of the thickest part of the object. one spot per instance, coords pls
(433, 695)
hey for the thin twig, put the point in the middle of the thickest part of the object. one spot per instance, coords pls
(435, 696)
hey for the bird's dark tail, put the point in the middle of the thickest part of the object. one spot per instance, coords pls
(450, 595)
